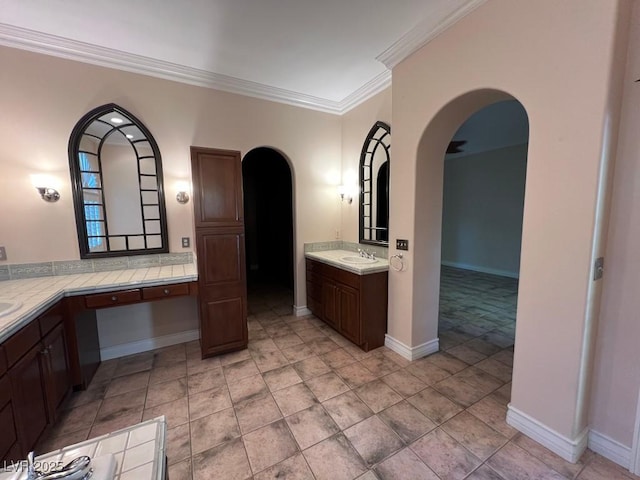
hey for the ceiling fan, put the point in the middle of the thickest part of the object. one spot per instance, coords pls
(455, 146)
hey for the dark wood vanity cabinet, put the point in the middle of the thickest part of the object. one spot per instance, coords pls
(36, 383)
(354, 305)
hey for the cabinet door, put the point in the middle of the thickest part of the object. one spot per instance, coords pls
(58, 378)
(28, 397)
(330, 301)
(349, 304)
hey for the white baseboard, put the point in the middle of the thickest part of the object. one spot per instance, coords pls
(477, 268)
(610, 448)
(569, 449)
(147, 344)
(301, 311)
(411, 353)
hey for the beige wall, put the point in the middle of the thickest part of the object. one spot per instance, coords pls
(556, 59)
(617, 376)
(355, 126)
(43, 97)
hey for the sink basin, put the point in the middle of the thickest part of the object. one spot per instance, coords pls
(9, 306)
(356, 260)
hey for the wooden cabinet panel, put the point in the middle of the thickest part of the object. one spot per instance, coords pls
(52, 317)
(124, 297)
(14, 454)
(222, 288)
(3, 361)
(58, 377)
(28, 397)
(349, 304)
(153, 293)
(217, 187)
(8, 429)
(355, 305)
(5, 391)
(20, 343)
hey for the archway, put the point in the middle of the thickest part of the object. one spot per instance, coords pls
(268, 208)
(482, 212)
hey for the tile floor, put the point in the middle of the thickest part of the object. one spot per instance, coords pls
(304, 403)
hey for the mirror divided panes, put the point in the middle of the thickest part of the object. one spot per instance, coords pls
(116, 172)
(374, 186)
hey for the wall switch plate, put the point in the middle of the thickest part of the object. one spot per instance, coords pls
(598, 268)
(186, 242)
(402, 244)
(3, 254)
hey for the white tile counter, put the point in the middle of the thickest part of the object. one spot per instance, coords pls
(333, 257)
(38, 294)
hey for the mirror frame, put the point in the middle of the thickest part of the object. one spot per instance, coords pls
(77, 188)
(378, 137)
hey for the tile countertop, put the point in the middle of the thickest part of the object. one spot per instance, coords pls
(38, 294)
(333, 257)
(139, 451)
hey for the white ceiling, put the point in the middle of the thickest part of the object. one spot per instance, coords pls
(323, 54)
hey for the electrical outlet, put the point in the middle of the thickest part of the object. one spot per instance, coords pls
(3, 254)
(185, 242)
(337, 234)
(402, 244)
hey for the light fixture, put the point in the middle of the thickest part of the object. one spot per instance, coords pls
(129, 136)
(45, 185)
(183, 192)
(342, 191)
(116, 120)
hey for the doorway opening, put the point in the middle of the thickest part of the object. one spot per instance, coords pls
(268, 216)
(482, 215)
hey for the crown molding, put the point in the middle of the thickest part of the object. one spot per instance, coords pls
(368, 90)
(423, 33)
(25, 39)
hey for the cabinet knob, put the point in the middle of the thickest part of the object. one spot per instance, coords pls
(114, 299)
(166, 291)
(44, 351)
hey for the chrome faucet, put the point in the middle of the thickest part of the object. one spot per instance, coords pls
(78, 469)
(365, 254)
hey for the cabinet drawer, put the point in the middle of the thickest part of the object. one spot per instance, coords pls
(314, 289)
(50, 319)
(3, 361)
(342, 276)
(123, 297)
(21, 342)
(315, 266)
(163, 291)
(8, 437)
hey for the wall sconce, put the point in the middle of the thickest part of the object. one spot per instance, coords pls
(183, 192)
(345, 191)
(47, 193)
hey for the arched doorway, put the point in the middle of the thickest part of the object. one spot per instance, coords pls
(482, 212)
(268, 209)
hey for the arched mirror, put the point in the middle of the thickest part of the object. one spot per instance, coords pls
(374, 186)
(116, 174)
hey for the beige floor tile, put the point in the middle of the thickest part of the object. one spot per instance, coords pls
(484, 473)
(166, 392)
(560, 465)
(344, 464)
(337, 358)
(127, 383)
(294, 398)
(496, 369)
(257, 412)
(233, 357)
(267, 361)
(347, 409)
(115, 422)
(404, 383)
(134, 364)
(480, 379)
(263, 346)
(373, 440)
(239, 370)
(484, 347)
(52, 442)
(404, 465)
(95, 391)
(459, 391)
(247, 388)
(298, 353)
(168, 372)
(311, 367)
(512, 462)
(214, 429)
(466, 354)
(269, 445)
(446, 362)
(377, 395)
(168, 356)
(322, 345)
(227, 461)
(600, 468)
(286, 341)
(79, 418)
(380, 365)
(176, 412)
(504, 356)
(196, 364)
(326, 386)
(426, 372)
(281, 378)
(205, 380)
(311, 426)
(475, 435)
(434, 405)
(494, 414)
(408, 423)
(178, 446)
(127, 403)
(293, 468)
(446, 457)
(355, 375)
(181, 470)
(208, 402)
(503, 394)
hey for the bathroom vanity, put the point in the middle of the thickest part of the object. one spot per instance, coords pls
(349, 297)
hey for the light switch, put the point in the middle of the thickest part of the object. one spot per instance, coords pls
(3, 254)
(185, 242)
